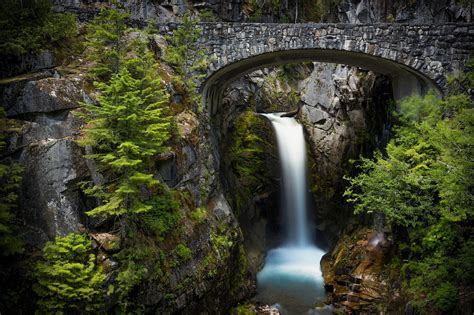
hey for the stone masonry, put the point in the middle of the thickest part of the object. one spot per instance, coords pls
(428, 52)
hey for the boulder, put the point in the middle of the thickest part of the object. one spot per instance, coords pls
(41, 96)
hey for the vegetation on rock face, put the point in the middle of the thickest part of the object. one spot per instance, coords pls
(30, 26)
(187, 59)
(247, 156)
(287, 12)
(424, 186)
(127, 127)
(68, 278)
(106, 43)
(317, 10)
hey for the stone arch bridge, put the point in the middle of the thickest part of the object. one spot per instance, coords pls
(416, 57)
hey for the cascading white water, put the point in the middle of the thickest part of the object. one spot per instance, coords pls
(292, 153)
(291, 277)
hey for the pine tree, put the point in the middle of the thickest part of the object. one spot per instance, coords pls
(68, 279)
(106, 44)
(126, 129)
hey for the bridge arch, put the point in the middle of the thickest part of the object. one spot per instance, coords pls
(405, 81)
(416, 57)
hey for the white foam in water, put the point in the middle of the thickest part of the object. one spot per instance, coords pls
(291, 277)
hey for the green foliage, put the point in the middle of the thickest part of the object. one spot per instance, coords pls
(127, 128)
(135, 260)
(163, 216)
(187, 58)
(253, 10)
(207, 16)
(292, 73)
(246, 157)
(425, 182)
(246, 151)
(106, 43)
(463, 82)
(131, 274)
(244, 309)
(183, 252)
(199, 214)
(68, 278)
(10, 180)
(390, 18)
(221, 244)
(317, 10)
(28, 26)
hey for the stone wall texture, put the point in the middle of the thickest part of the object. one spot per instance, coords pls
(432, 51)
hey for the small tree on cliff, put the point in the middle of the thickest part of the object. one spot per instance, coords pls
(127, 127)
(106, 44)
(68, 279)
(130, 122)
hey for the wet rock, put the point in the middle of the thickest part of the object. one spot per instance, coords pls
(168, 172)
(337, 113)
(109, 242)
(109, 265)
(353, 11)
(221, 209)
(355, 271)
(267, 310)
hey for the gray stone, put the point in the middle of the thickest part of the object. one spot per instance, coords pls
(318, 89)
(390, 49)
(50, 199)
(315, 115)
(221, 209)
(41, 96)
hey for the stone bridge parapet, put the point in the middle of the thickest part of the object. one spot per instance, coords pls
(414, 55)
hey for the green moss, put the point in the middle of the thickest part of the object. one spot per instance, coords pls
(243, 263)
(247, 159)
(164, 215)
(221, 244)
(244, 309)
(198, 215)
(183, 252)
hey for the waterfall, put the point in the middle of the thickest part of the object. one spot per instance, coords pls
(292, 154)
(291, 278)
